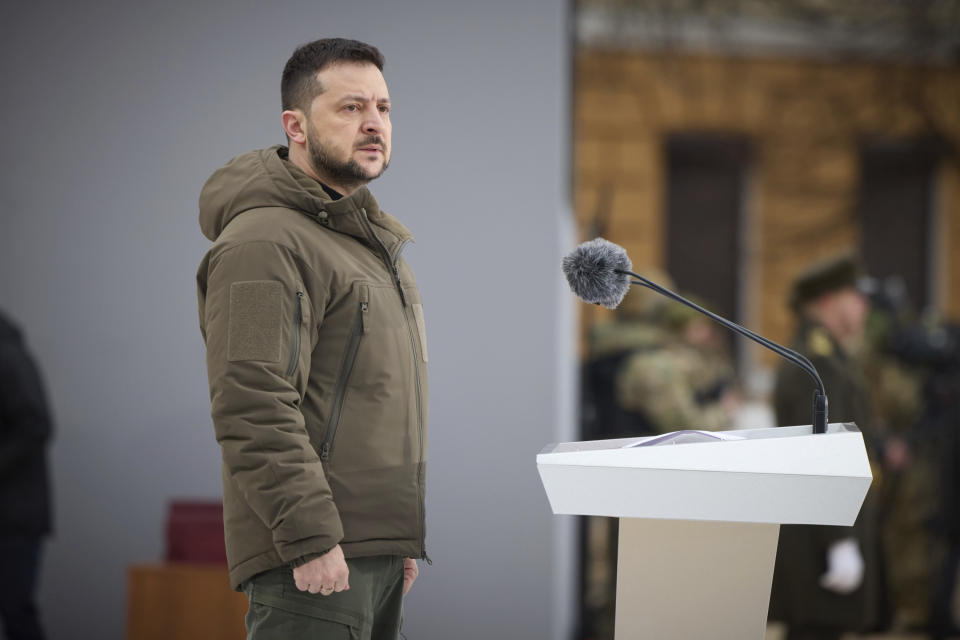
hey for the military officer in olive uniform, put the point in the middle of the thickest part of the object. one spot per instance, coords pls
(826, 579)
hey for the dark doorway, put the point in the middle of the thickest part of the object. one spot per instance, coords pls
(894, 209)
(705, 184)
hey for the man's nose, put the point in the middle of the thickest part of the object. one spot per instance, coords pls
(374, 122)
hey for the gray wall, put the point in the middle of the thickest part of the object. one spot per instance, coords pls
(114, 114)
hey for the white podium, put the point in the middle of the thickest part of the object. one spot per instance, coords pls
(699, 522)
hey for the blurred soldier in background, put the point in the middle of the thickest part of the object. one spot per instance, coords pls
(906, 490)
(25, 429)
(827, 579)
(687, 383)
(658, 367)
(636, 328)
(922, 474)
(937, 346)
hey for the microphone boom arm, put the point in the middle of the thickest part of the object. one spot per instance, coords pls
(819, 395)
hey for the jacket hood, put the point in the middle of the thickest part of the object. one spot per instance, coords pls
(266, 178)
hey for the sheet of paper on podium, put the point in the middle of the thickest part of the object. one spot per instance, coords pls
(684, 436)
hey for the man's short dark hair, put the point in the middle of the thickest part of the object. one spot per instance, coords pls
(299, 85)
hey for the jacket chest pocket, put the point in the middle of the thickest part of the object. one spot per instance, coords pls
(360, 326)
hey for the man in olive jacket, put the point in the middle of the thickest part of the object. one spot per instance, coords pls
(316, 356)
(826, 579)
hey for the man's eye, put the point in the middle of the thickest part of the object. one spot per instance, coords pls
(352, 107)
(384, 109)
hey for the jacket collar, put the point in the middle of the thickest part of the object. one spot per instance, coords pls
(350, 214)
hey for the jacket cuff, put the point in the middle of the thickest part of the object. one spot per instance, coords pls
(315, 546)
(304, 559)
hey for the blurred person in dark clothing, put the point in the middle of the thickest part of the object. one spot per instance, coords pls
(935, 347)
(941, 423)
(921, 481)
(25, 429)
(827, 579)
(906, 490)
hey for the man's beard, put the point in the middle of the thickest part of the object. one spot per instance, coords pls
(348, 174)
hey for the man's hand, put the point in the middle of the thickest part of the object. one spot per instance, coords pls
(410, 573)
(324, 575)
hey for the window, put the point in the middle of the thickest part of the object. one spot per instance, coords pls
(894, 209)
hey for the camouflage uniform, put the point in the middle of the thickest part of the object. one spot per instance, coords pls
(612, 345)
(636, 329)
(677, 384)
(907, 495)
(677, 387)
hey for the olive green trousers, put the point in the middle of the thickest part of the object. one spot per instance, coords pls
(370, 610)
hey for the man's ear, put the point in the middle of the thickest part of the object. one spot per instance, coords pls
(294, 125)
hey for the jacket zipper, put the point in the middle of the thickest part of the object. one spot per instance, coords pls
(341, 389)
(385, 256)
(391, 264)
(416, 367)
(297, 321)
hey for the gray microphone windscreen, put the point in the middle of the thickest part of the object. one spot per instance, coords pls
(592, 272)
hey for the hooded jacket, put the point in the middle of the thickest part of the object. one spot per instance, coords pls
(316, 357)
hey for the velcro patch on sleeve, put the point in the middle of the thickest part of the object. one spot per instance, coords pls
(256, 321)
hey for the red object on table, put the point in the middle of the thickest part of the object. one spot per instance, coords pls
(195, 532)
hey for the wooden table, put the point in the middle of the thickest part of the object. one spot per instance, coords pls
(183, 601)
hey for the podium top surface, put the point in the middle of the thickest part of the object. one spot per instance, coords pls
(779, 450)
(745, 434)
(779, 475)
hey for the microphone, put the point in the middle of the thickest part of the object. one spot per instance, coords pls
(598, 272)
